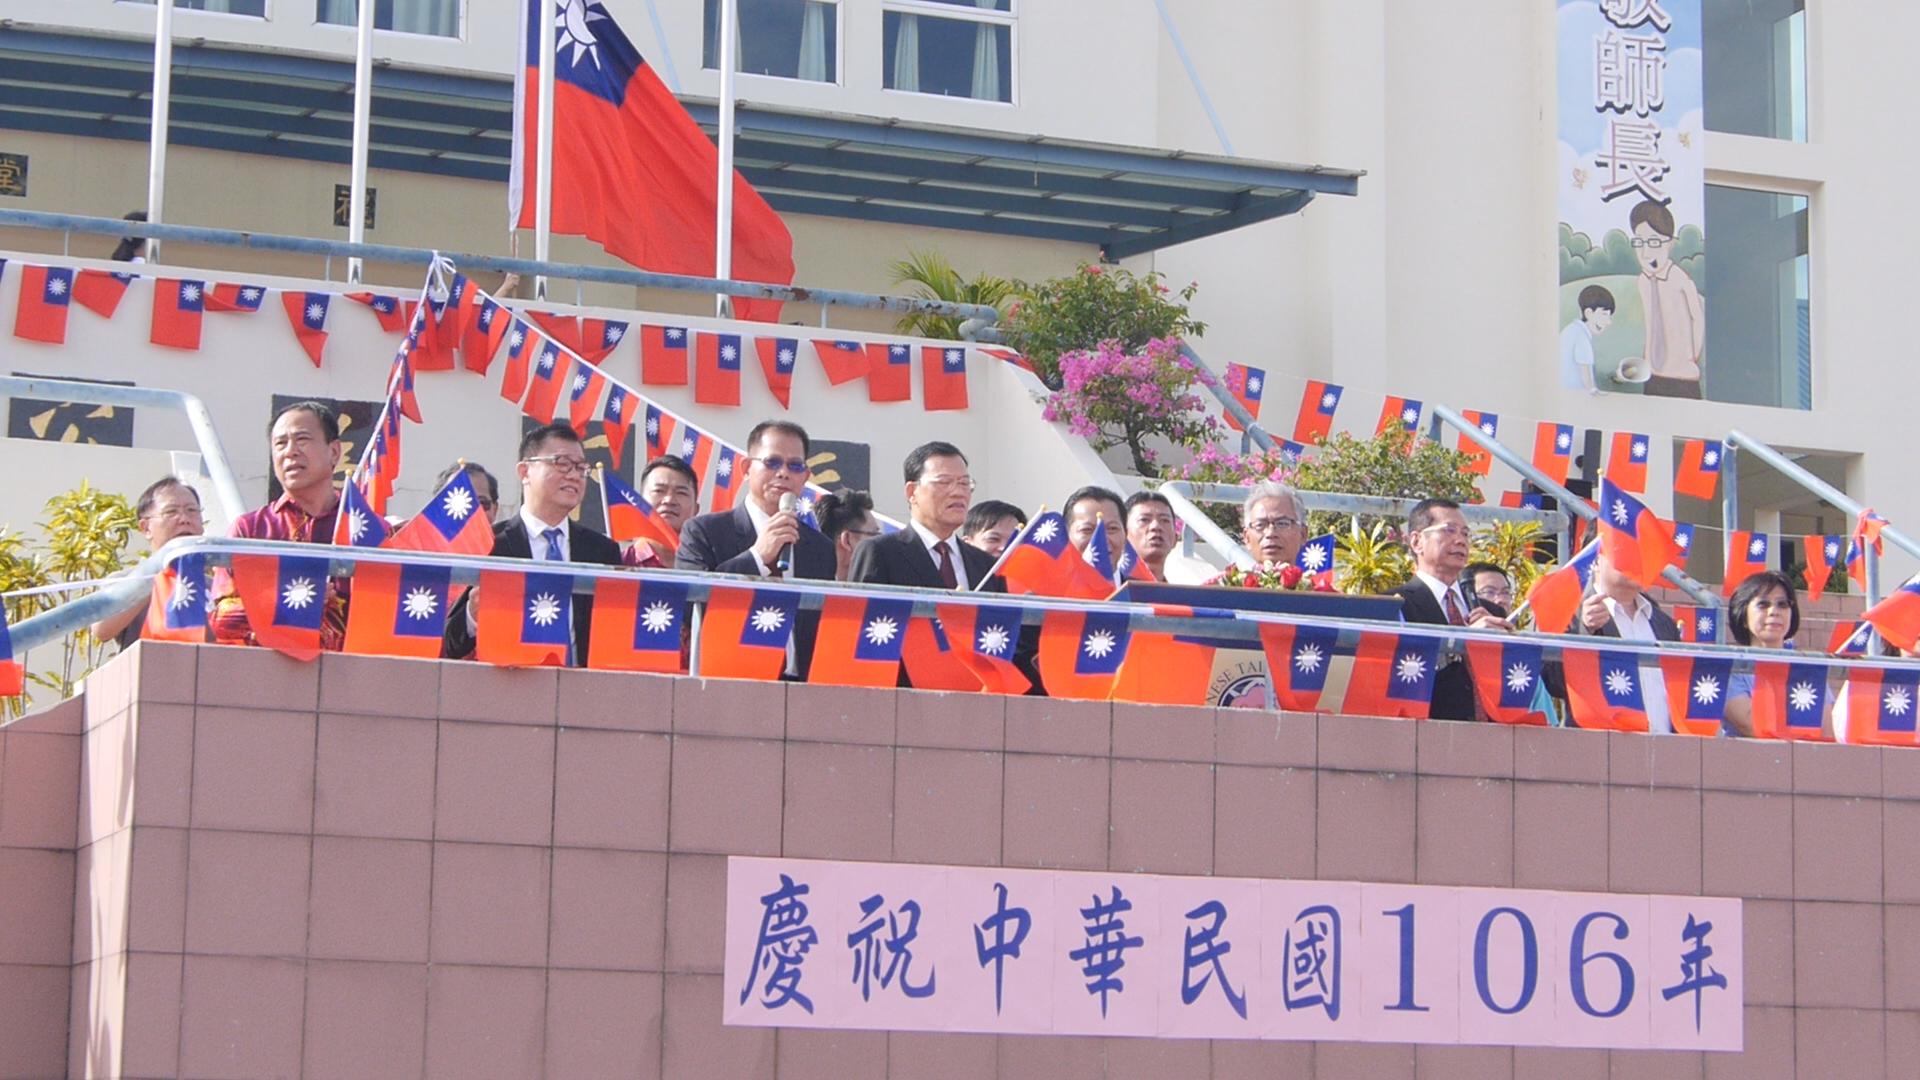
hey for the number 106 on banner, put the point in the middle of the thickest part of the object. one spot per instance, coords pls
(935, 948)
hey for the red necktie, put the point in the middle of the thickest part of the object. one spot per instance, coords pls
(1454, 615)
(947, 576)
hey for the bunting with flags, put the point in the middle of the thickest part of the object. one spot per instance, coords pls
(46, 292)
(1246, 384)
(637, 625)
(986, 637)
(398, 609)
(1881, 706)
(1698, 476)
(1479, 459)
(1398, 412)
(744, 633)
(100, 291)
(307, 314)
(1746, 556)
(777, 356)
(717, 370)
(1506, 678)
(943, 377)
(1317, 405)
(1298, 659)
(1081, 652)
(1553, 450)
(1393, 676)
(1697, 692)
(843, 361)
(663, 355)
(1627, 461)
(524, 619)
(859, 641)
(889, 371)
(1823, 554)
(1604, 691)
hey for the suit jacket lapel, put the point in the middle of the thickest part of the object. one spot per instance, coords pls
(918, 559)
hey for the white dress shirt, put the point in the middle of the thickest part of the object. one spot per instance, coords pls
(952, 544)
(1440, 589)
(537, 540)
(1637, 625)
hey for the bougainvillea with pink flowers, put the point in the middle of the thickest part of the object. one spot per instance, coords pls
(1113, 397)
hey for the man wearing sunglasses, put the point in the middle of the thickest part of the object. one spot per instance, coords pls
(750, 538)
(553, 479)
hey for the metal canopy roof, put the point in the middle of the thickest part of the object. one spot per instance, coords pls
(1123, 200)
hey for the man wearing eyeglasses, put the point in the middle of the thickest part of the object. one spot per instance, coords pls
(929, 553)
(749, 539)
(167, 509)
(553, 479)
(1441, 541)
(1273, 524)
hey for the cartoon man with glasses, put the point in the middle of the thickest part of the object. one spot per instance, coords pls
(1670, 306)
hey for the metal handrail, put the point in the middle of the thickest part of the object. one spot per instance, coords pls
(977, 314)
(1780, 463)
(213, 457)
(1215, 624)
(1700, 593)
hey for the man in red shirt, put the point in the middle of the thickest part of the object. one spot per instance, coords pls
(305, 452)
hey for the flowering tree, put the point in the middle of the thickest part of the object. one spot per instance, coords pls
(1094, 304)
(1111, 396)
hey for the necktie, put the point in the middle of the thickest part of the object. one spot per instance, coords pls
(947, 577)
(1455, 616)
(552, 537)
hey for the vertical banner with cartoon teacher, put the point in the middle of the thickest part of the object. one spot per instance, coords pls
(1632, 197)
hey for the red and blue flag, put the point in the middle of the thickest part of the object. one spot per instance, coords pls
(659, 431)
(1682, 542)
(859, 641)
(843, 361)
(307, 314)
(452, 521)
(985, 638)
(285, 597)
(777, 357)
(552, 370)
(583, 395)
(1131, 566)
(481, 343)
(1627, 461)
(1790, 701)
(1697, 692)
(729, 470)
(630, 516)
(1246, 384)
(1317, 405)
(398, 609)
(1746, 556)
(1393, 676)
(1898, 616)
(100, 291)
(1637, 543)
(717, 372)
(46, 292)
(943, 377)
(1700, 625)
(1698, 476)
(1479, 459)
(13, 673)
(179, 605)
(1881, 705)
(599, 337)
(1506, 676)
(745, 632)
(663, 355)
(387, 309)
(931, 660)
(1850, 637)
(1398, 412)
(632, 170)
(1555, 596)
(523, 342)
(525, 619)
(1081, 653)
(889, 371)
(1315, 560)
(242, 298)
(1823, 554)
(177, 309)
(1298, 659)
(616, 420)
(1553, 449)
(637, 625)
(356, 524)
(1604, 691)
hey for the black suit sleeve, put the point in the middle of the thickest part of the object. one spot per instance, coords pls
(509, 541)
(696, 547)
(869, 566)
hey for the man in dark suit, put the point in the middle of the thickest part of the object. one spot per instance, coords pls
(1441, 541)
(929, 553)
(750, 539)
(553, 478)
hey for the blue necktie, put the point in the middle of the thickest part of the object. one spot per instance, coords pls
(552, 537)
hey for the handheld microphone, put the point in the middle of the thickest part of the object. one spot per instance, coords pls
(784, 564)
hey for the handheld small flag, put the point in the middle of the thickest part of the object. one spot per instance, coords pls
(1850, 637)
(1555, 596)
(1898, 616)
(985, 637)
(1637, 543)
(630, 516)
(356, 524)
(1315, 560)
(452, 521)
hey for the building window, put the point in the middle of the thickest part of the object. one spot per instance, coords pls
(1759, 347)
(787, 39)
(929, 48)
(435, 18)
(253, 8)
(1755, 67)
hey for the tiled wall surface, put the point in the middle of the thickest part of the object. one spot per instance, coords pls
(229, 864)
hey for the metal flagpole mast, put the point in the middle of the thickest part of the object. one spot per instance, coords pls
(362, 122)
(543, 155)
(723, 203)
(157, 136)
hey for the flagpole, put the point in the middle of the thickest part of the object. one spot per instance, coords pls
(723, 201)
(543, 155)
(162, 102)
(362, 121)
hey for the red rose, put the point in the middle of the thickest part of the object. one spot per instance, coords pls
(1289, 576)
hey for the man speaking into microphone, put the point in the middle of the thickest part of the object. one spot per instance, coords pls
(763, 536)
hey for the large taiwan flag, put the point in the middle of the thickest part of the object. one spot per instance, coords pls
(618, 131)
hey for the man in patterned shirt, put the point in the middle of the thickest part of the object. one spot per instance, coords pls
(305, 452)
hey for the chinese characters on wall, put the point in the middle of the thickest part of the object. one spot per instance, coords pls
(983, 949)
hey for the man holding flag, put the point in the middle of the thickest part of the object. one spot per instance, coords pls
(1442, 543)
(553, 480)
(1617, 607)
(305, 451)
